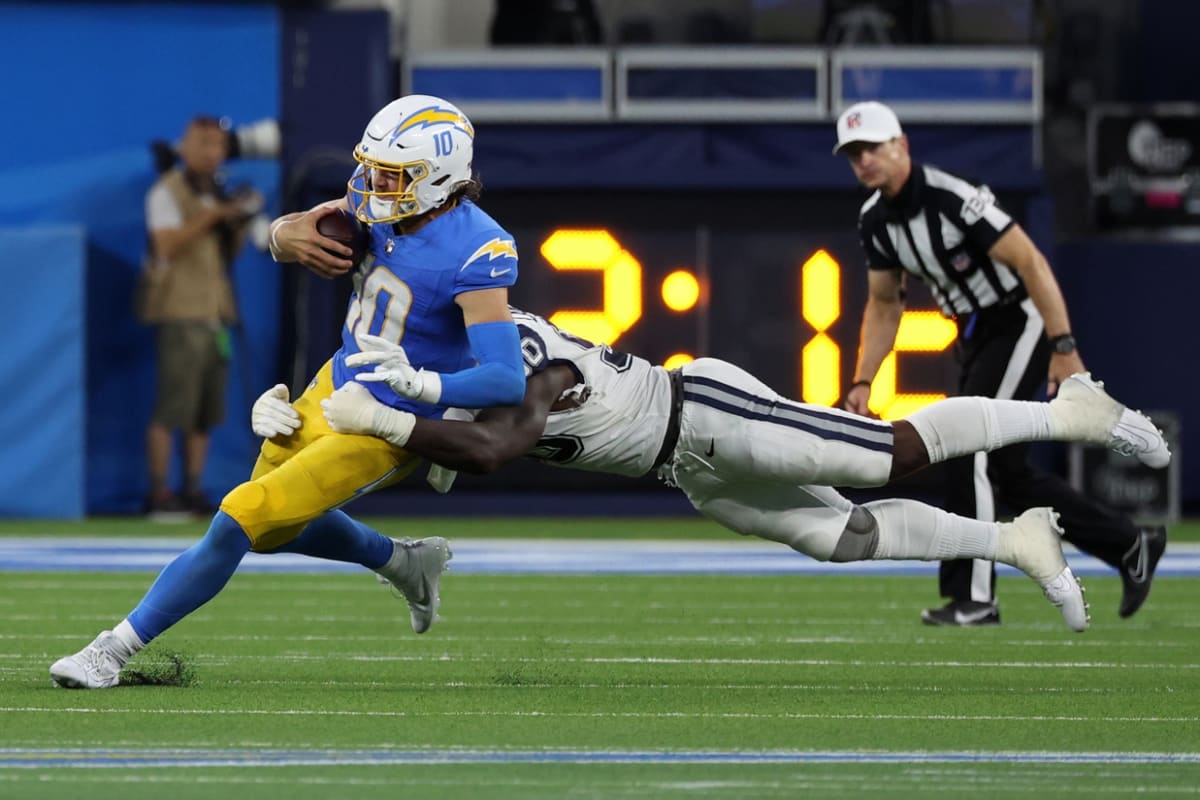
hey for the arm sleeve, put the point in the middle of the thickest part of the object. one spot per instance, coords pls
(499, 378)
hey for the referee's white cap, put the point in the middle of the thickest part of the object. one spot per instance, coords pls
(866, 122)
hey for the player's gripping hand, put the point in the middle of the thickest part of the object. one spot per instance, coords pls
(296, 238)
(392, 368)
(353, 409)
(272, 414)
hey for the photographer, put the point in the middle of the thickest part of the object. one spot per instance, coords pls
(195, 231)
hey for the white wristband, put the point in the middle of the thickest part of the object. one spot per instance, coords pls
(394, 425)
(275, 226)
(431, 387)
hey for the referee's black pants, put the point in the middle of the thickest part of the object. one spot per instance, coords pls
(1004, 354)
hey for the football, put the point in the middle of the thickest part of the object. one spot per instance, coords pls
(341, 226)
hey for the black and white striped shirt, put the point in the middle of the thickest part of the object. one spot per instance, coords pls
(940, 228)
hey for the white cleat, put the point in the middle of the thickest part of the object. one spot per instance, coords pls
(1035, 546)
(97, 666)
(416, 568)
(1091, 414)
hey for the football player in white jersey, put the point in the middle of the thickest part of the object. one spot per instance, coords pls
(757, 462)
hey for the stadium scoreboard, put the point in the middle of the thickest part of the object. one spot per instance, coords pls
(787, 306)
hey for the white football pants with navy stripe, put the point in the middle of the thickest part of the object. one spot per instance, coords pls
(763, 465)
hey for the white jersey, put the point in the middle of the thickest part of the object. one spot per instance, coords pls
(624, 402)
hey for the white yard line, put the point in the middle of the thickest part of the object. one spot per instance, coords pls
(258, 757)
(718, 715)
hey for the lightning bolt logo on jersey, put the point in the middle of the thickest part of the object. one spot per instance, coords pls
(623, 402)
(406, 293)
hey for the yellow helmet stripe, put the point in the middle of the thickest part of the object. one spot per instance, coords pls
(433, 116)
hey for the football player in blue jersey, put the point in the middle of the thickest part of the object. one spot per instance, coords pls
(428, 327)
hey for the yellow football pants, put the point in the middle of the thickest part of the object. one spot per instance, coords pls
(299, 477)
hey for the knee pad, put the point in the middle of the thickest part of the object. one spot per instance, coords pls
(859, 538)
(250, 504)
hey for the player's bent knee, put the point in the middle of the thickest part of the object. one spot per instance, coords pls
(859, 539)
(253, 507)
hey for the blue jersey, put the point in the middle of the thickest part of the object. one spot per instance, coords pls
(406, 294)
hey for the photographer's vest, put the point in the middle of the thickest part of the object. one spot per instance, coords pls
(193, 284)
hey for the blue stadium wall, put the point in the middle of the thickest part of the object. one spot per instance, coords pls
(87, 87)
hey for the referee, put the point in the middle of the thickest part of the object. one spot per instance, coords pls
(1013, 331)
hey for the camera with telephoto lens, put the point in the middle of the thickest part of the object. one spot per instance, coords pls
(260, 139)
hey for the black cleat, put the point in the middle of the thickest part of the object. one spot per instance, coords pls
(964, 613)
(1137, 568)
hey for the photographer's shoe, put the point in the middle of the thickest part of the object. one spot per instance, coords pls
(166, 507)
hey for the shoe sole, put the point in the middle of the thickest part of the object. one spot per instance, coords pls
(1072, 602)
(64, 681)
(171, 517)
(986, 622)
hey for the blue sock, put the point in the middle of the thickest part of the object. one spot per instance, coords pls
(192, 579)
(334, 536)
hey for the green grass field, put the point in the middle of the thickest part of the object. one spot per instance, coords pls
(574, 670)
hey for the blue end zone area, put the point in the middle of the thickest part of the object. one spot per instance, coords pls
(528, 557)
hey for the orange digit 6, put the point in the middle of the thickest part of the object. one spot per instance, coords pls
(572, 249)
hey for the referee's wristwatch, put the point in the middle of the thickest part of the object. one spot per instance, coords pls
(1063, 344)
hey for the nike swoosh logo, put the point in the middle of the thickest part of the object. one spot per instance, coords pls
(496, 274)
(424, 599)
(971, 617)
(1138, 573)
(712, 447)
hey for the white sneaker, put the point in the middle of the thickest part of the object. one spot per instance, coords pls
(97, 666)
(1032, 544)
(416, 568)
(1088, 413)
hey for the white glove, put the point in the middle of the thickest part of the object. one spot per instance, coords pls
(392, 368)
(272, 415)
(353, 409)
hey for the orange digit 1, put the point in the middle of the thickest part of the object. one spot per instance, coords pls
(820, 305)
(570, 249)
